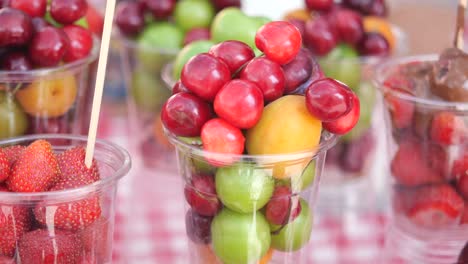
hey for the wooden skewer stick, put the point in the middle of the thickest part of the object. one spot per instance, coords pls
(101, 75)
(460, 25)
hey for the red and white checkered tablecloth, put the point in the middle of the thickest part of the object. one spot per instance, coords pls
(150, 225)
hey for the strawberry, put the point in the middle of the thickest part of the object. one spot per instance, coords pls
(432, 205)
(410, 165)
(3, 188)
(460, 166)
(97, 239)
(401, 110)
(4, 166)
(74, 171)
(14, 222)
(36, 170)
(464, 219)
(462, 185)
(73, 215)
(13, 153)
(447, 128)
(6, 260)
(42, 246)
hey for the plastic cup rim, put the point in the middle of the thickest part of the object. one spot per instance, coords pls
(382, 70)
(68, 194)
(21, 76)
(324, 145)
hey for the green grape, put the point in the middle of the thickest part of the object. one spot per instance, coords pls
(191, 14)
(243, 188)
(240, 238)
(342, 64)
(367, 96)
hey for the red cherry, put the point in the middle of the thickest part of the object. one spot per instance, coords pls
(205, 75)
(200, 193)
(68, 11)
(196, 34)
(319, 5)
(16, 28)
(48, 46)
(328, 99)
(234, 53)
(184, 114)
(129, 17)
(300, 25)
(319, 36)
(239, 102)
(267, 75)
(347, 24)
(160, 9)
(345, 123)
(374, 44)
(219, 136)
(16, 61)
(81, 43)
(221, 4)
(34, 8)
(279, 40)
(282, 209)
(298, 70)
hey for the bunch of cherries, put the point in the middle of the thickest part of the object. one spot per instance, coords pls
(41, 33)
(230, 80)
(333, 23)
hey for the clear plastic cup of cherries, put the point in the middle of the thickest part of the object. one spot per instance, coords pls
(251, 134)
(46, 76)
(150, 34)
(350, 38)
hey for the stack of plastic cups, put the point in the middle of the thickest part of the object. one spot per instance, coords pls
(429, 221)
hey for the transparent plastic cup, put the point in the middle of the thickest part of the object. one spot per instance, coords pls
(48, 100)
(429, 222)
(147, 93)
(227, 199)
(353, 163)
(46, 241)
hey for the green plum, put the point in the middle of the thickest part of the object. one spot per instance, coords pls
(232, 24)
(343, 64)
(367, 96)
(148, 92)
(188, 52)
(189, 14)
(240, 238)
(294, 235)
(244, 188)
(301, 182)
(157, 44)
(13, 120)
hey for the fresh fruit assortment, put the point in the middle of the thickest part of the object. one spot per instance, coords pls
(43, 35)
(153, 32)
(348, 37)
(430, 165)
(61, 231)
(234, 110)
